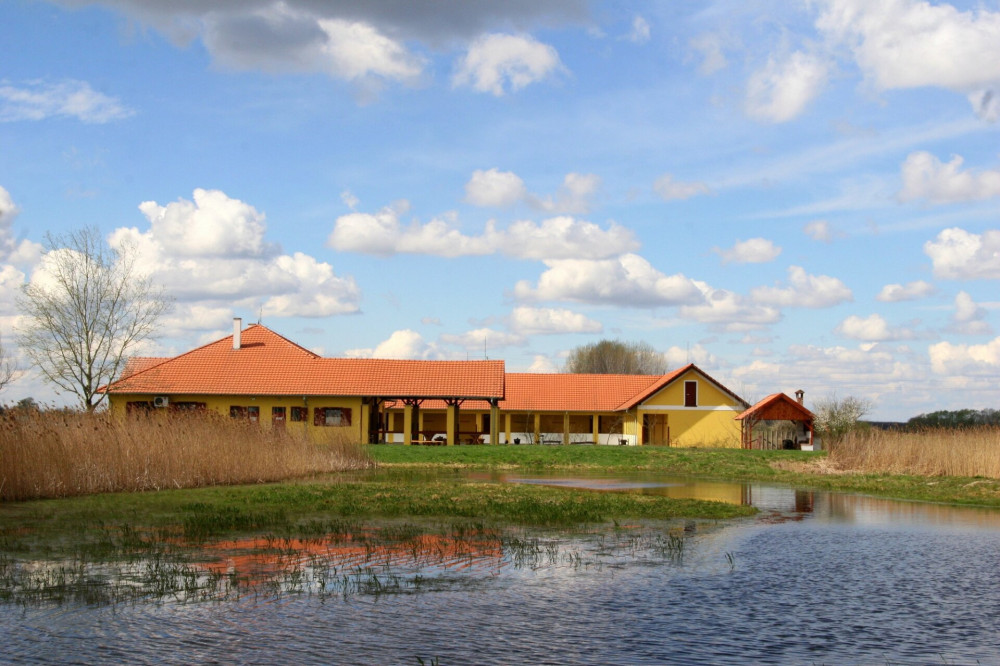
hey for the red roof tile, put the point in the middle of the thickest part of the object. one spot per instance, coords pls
(779, 407)
(572, 393)
(269, 364)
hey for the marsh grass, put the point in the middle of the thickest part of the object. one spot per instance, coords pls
(971, 452)
(59, 454)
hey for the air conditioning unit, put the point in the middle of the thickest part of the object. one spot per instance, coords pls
(161, 401)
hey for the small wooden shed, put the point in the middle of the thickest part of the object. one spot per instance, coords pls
(777, 422)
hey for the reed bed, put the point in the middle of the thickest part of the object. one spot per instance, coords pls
(51, 454)
(967, 452)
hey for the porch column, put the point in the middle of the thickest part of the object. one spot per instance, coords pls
(494, 423)
(452, 415)
(506, 431)
(538, 428)
(595, 425)
(565, 428)
(411, 425)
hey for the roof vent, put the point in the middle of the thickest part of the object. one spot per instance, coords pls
(237, 327)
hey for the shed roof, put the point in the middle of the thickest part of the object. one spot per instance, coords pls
(778, 407)
(268, 364)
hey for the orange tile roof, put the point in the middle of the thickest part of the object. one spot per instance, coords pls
(138, 364)
(771, 403)
(269, 364)
(572, 393)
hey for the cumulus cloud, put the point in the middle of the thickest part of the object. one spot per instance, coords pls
(951, 359)
(542, 365)
(498, 63)
(627, 281)
(969, 318)
(403, 344)
(957, 254)
(212, 251)
(926, 177)
(670, 189)
(680, 356)
(495, 188)
(752, 251)
(555, 238)
(504, 188)
(729, 311)
(550, 321)
(911, 291)
(804, 291)
(482, 339)
(912, 43)
(781, 90)
(873, 328)
(21, 252)
(38, 100)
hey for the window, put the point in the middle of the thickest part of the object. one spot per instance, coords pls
(690, 394)
(187, 406)
(138, 407)
(331, 416)
(299, 413)
(278, 416)
(251, 413)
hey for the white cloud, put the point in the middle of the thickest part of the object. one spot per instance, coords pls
(212, 251)
(871, 329)
(912, 43)
(957, 254)
(640, 31)
(555, 238)
(670, 189)
(969, 317)
(752, 251)
(403, 344)
(805, 291)
(495, 63)
(729, 311)
(562, 237)
(679, 356)
(926, 177)
(819, 230)
(951, 359)
(911, 291)
(21, 252)
(626, 281)
(781, 90)
(211, 225)
(505, 188)
(38, 100)
(11, 281)
(542, 365)
(709, 47)
(495, 188)
(548, 321)
(483, 339)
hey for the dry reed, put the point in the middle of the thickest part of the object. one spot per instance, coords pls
(59, 454)
(939, 452)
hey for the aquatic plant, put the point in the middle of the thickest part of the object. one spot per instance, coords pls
(64, 453)
(964, 452)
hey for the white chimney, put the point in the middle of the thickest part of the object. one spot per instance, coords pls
(237, 327)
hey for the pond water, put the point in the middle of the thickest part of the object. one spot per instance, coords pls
(814, 578)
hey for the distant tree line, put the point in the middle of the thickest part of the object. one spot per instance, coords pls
(960, 418)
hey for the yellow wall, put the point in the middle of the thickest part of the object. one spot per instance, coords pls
(220, 404)
(710, 423)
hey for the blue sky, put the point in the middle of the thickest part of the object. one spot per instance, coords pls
(789, 194)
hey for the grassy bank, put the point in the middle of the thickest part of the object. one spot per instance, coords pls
(61, 454)
(795, 468)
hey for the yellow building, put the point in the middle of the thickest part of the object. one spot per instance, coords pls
(258, 375)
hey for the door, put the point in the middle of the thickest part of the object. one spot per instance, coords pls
(656, 431)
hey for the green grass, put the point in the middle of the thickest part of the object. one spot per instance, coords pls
(721, 464)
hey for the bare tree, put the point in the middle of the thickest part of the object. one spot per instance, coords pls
(8, 367)
(89, 310)
(835, 417)
(614, 357)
